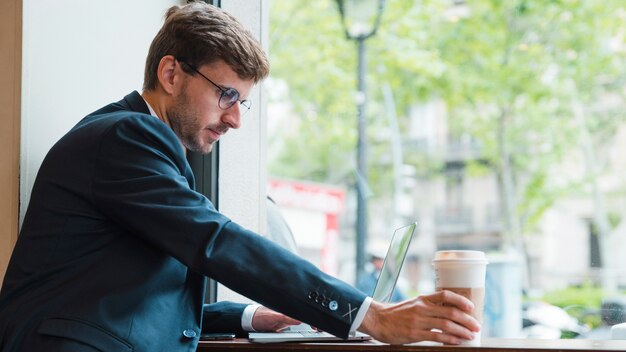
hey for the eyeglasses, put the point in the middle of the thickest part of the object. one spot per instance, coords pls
(229, 96)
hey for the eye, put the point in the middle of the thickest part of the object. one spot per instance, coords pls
(231, 96)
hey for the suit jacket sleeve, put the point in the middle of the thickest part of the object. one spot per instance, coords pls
(143, 183)
(223, 317)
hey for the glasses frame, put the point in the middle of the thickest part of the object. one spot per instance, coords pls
(224, 102)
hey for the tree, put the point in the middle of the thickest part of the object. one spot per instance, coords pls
(524, 78)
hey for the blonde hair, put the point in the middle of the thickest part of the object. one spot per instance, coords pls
(200, 34)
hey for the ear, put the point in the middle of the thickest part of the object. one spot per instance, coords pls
(166, 72)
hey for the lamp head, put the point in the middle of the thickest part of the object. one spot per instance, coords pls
(360, 18)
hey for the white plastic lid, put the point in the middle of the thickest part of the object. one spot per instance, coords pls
(461, 256)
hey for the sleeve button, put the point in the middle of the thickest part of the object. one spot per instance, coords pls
(333, 305)
(189, 333)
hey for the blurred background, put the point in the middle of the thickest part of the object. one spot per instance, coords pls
(498, 126)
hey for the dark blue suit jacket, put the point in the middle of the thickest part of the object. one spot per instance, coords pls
(116, 245)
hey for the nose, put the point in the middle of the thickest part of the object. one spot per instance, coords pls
(232, 117)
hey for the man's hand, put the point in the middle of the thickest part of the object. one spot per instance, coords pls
(265, 319)
(414, 320)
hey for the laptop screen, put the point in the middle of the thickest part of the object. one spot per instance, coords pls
(393, 263)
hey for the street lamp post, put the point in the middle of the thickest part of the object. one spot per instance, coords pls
(360, 20)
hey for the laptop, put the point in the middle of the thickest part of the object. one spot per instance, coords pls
(385, 285)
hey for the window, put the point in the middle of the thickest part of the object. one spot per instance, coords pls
(498, 126)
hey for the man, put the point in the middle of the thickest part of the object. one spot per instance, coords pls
(116, 244)
(377, 252)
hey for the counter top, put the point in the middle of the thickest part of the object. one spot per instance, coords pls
(490, 345)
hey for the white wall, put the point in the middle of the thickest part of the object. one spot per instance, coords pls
(81, 55)
(77, 57)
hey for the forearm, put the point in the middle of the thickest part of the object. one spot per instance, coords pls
(223, 317)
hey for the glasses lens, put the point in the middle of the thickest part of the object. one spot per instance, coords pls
(229, 98)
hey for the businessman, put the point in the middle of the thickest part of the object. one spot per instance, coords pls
(116, 245)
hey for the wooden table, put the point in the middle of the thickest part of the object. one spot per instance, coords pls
(488, 345)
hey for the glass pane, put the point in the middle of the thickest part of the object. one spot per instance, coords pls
(498, 126)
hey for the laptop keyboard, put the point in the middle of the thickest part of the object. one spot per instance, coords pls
(309, 333)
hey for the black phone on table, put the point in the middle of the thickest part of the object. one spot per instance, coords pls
(216, 336)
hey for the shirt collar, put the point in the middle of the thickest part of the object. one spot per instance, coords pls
(152, 112)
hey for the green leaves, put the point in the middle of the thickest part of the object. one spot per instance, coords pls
(507, 71)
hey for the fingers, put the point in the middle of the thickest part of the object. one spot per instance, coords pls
(284, 322)
(437, 336)
(449, 327)
(441, 317)
(451, 298)
(455, 307)
(265, 319)
(455, 315)
(278, 327)
(281, 322)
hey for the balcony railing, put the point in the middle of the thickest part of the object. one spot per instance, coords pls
(454, 221)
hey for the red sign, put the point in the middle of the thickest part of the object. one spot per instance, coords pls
(308, 196)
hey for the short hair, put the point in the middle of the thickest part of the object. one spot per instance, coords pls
(200, 34)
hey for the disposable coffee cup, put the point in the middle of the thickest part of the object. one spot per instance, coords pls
(463, 272)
